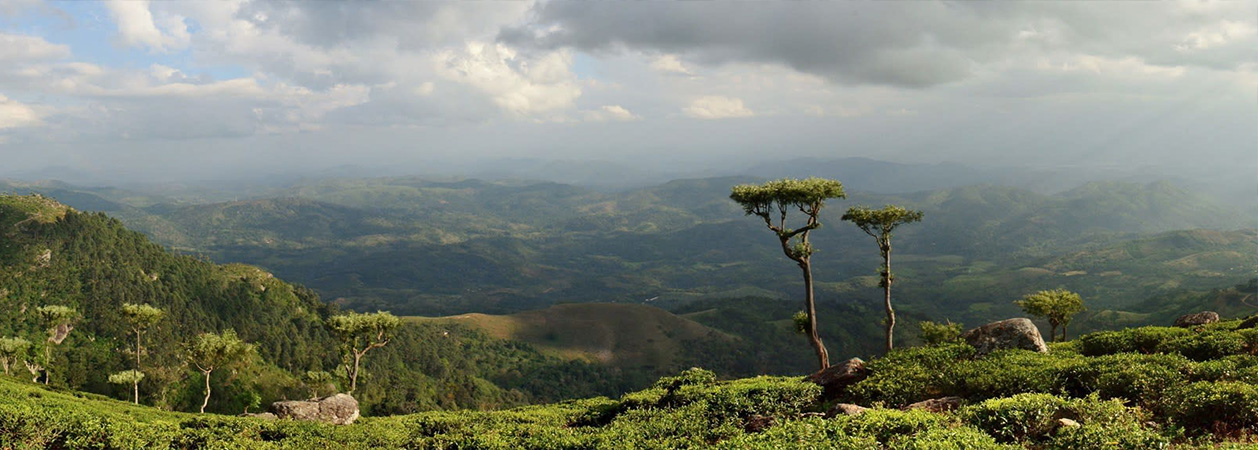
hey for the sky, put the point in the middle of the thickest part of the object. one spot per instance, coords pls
(163, 90)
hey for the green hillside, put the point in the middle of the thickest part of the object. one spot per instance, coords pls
(626, 336)
(1138, 388)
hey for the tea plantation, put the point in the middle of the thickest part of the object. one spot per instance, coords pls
(1140, 388)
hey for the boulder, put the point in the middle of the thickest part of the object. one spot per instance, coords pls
(263, 416)
(837, 377)
(936, 405)
(846, 409)
(757, 423)
(1009, 333)
(1066, 423)
(1251, 322)
(1201, 318)
(339, 409)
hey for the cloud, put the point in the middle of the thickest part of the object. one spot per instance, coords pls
(137, 26)
(670, 64)
(611, 113)
(717, 107)
(17, 47)
(902, 44)
(520, 85)
(15, 115)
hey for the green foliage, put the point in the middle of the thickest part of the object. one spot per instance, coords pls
(141, 317)
(13, 350)
(1223, 407)
(211, 351)
(1058, 306)
(785, 193)
(126, 377)
(939, 333)
(880, 223)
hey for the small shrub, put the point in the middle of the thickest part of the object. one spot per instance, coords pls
(1205, 345)
(1132, 340)
(1223, 407)
(939, 333)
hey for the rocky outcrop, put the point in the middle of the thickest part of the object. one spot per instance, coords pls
(846, 409)
(1251, 322)
(836, 378)
(263, 416)
(1197, 319)
(339, 409)
(1010, 333)
(936, 405)
(757, 423)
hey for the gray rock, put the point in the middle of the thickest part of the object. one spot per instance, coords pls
(757, 423)
(836, 378)
(846, 409)
(1009, 333)
(1201, 318)
(936, 405)
(339, 409)
(1066, 423)
(1251, 322)
(263, 416)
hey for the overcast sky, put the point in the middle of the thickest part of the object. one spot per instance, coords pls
(194, 89)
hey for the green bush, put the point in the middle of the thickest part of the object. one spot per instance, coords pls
(908, 375)
(1132, 340)
(939, 333)
(1217, 406)
(1205, 345)
(1132, 377)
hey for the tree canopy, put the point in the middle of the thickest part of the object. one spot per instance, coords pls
(773, 202)
(359, 333)
(211, 351)
(1058, 306)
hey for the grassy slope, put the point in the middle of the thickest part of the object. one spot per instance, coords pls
(1195, 390)
(621, 335)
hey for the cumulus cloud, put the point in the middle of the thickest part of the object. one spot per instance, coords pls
(520, 85)
(670, 64)
(717, 107)
(906, 44)
(138, 27)
(17, 47)
(14, 114)
(611, 113)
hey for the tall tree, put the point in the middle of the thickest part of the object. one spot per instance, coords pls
(59, 320)
(772, 202)
(1058, 306)
(359, 333)
(879, 223)
(140, 318)
(13, 350)
(212, 351)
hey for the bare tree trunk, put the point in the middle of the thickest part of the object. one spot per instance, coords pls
(207, 392)
(886, 289)
(353, 377)
(48, 361)
(136, 382)
(823, 357)
(5, 361)
(1063, 333)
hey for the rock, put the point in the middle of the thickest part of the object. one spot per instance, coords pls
(812, 414)
(1010, 333)
(846, 409)
(1066, 423)
(837, 377)
(263, 416)
(936, 405)
(1201, 318)
(339, 409)
(1251, 322)
(757, 423)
